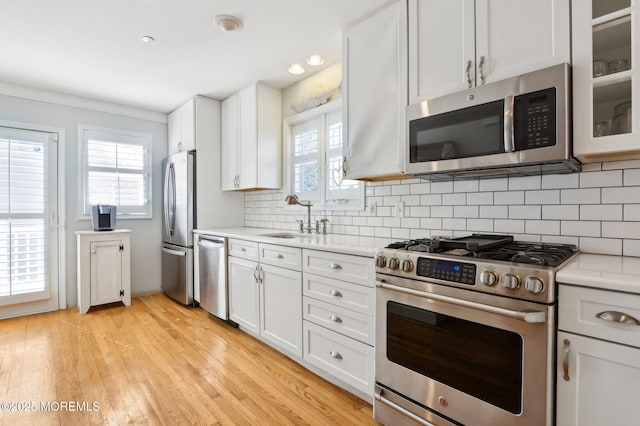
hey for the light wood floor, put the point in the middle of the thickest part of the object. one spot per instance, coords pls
(157, 362)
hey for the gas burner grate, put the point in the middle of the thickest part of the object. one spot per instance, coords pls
(530, 253)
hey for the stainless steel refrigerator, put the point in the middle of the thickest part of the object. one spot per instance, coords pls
(179, 220)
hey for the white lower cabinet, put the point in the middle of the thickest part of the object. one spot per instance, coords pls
(264, 299)
(338, 316)
(597, 379)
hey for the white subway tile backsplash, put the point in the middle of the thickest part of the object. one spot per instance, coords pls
(527, 182)
(454, 199)
(580, 196)
(600, 212)
(632, 212)
(524, 212)
(498, 184)
(508, 226)
(479, 198)
(466, 186)
(431, 200)
(465, 211)
(569, 212)
(598, 209)
(441, 187)
(496, 212)
(601, 245)
(550, 196)
(601, 179)
(628, 194)
(441, 211)
(565, 181)
(580, 229)
(547, 227)
(631, 177)
(508, 198)
(621, 230)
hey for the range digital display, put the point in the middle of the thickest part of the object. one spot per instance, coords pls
(445, 266)
(463, 273)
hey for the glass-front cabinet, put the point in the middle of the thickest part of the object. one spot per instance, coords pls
(605, 79)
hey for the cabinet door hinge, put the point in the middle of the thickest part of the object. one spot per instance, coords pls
(121, 292)
(121, 247)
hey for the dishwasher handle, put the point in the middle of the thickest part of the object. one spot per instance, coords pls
(208, 242)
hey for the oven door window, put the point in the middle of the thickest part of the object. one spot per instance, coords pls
(482, 361)
(469, 132)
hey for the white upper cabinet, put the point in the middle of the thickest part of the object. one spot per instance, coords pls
(252, 139)
(605, 79)
(455, 45)
(182, 128)
(375, 93)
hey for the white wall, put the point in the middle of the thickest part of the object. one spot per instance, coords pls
(146, 236)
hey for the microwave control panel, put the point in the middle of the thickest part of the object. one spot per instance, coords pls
(535, 119)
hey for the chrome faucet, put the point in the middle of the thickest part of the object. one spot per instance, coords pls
(293, 200)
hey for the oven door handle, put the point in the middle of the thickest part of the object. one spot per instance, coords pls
(378, 396)
(528, 316)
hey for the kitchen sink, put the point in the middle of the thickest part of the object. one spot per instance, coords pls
(281, 235)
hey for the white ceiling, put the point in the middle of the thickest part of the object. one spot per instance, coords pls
(90, 48)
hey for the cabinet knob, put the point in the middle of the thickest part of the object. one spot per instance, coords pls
(243, 249)
(335, 355)
(335, 293)
(279, 256)
(335, 318)
(335, 266)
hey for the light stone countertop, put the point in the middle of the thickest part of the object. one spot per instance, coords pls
(601, 271)
(337, 243)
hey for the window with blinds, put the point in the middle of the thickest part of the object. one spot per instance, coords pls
(24, 203)
(116, 170)
(315, 152)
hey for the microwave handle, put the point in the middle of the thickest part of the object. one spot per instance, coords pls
(509, 138)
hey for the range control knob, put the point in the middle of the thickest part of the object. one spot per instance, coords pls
(489, 278)
(534, 285)
(510, 281)
(407, 265)
(394, 263)
(381, 261)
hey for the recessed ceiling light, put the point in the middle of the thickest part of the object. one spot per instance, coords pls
(147, 39)
(315, 60)
(296, 69)
(228, 23)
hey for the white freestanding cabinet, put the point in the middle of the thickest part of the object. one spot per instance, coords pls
(605, 101)
(182, 126)
(375, 95)
(265, 299)
(104, 268)
(454, 45)
(252, 139)
(598, 372)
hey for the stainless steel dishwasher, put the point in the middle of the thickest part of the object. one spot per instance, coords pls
(214, 297)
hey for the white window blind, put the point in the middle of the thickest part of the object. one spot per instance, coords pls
(23, 215)
(315, 152)
(117, 171)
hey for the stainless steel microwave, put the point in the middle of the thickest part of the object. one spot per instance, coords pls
(520, 126)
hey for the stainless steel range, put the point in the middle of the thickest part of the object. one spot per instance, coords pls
(465, 331)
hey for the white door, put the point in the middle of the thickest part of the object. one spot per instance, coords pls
(106, 272)
(248, 137)
(281, 295)
(230, 143)
(28, 219)
(244, 294)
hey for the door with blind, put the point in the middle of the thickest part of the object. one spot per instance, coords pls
(28, 219)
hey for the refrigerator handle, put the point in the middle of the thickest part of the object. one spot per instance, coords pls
(172, 214)
(166, 197)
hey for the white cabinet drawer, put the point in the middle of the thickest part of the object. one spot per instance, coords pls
(347, 359)
(345, 267)
(344, 321)
(244, 249)
(286, 257)
(579, 307)
(347, 295)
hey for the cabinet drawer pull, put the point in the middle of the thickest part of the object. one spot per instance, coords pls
(467, 71)
(565, 359)
(335, 318)
(279, 256)
(335, 293)
(243, 249)
(335, 355)
(335, 266)
(619, 317)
